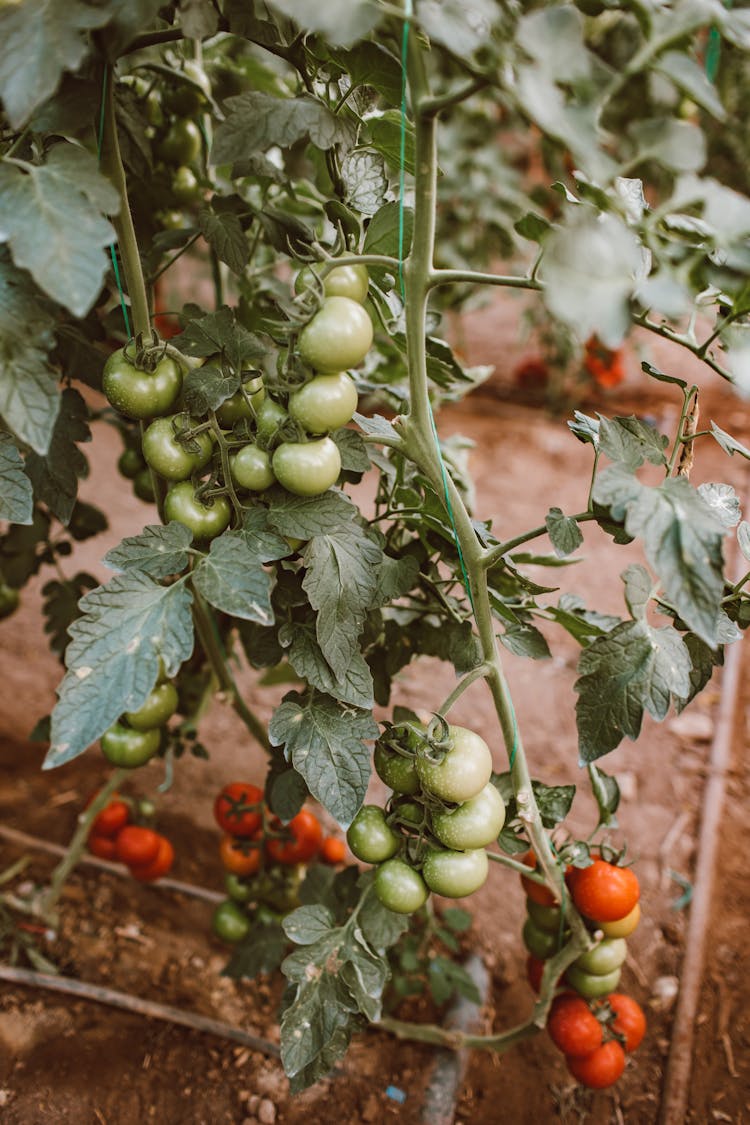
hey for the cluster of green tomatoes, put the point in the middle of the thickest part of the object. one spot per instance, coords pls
(259, 435)
(137, 736)
(442, 815)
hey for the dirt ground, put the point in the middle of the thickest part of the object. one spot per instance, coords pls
(71, 1062)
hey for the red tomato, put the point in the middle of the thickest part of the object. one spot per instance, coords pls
(160, 865)
(533, 374)
(630, 1022)
(102, 846)
(307, 837)
(137, 846)
(111, 819)
(535, 891)
(604, 892)
(604, 365)
(238, 856)
(333, 850)
(534, 970)
(601, 1068)
(238, 809)
(572, 1026)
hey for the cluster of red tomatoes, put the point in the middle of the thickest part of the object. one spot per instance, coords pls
(147, 853)
(605, 365)
(280, 436)
(263, 860)
(606, 895)
(443, 814)
(136, 737)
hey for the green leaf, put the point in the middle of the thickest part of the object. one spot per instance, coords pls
(16, 497)
(29, 398)
(456, 919)
(525, 640)
(691, 78)
(723, 502)
(306, 516)
(655, 373)
(256, 122)
(232, 579)
(371, 64)
(43, 38)
(308, 924)
(353, 450)
(223, 232)
(380, 927)
(157, 551)
(341, 22)
(383, 228)
(581, 623)
(638, 590)
(395, 578)
(113, 657)
(385, 138)
(606, 793)
(633, 668)
(376, 426)
(743, 539)
(532, 226)
(341, 582)
(365, 180)
(463, 26)
(325, 742)
(554, 802)
(49, 215)
(306, 657)
(631, 441)
(61, 607)
(677, 145)
(315, 1032)
(565, 534)
(729, 444)
(206, 388)
(220, 332)
(553, 37)
(704, 660)
(55, 474)
(585, 428)
(262, 951)
(198, 18)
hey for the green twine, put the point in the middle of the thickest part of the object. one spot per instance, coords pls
(408, 13)
(713, 54)
(112, 249)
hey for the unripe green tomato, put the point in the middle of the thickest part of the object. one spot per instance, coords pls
(399, 887)
(541, 943)
(230, 922)
(206, 521)
(462, 772)
(129, 748)
(237, 406)
(185, 186)
(270, 416)
(184, 98)
(325, 403)
(592, 985)
(240, 890)
(182, 144)
(604, 958)
(338, 336)
(172, 219)
(169, 457)
(130, 463)
(544, 917)
(137, 393)
(343, 281)
(143, 486)
(9, 600)
(160, 705)
(474, 824)
(307, 468)
(251, 468)
(369, 836)
(154, 111)
(455, 874)
(396, 770)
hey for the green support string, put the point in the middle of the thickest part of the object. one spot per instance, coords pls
(408, 14)
(113, 247)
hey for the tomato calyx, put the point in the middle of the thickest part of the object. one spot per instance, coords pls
(145, 355)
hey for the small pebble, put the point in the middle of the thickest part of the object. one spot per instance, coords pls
(267, 1112)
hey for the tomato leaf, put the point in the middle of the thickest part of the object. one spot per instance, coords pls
(306, 516)
(325, 742)
(385, 138)
(308, 924)
(382, 232)
(157, 551)
(606, 794)
(223, 231)
(262, 951)
(55, 474)
(365, 180)
(371, 64)
(220, 332)
(631, 441)
(728, 443)
(232, 579)
(306, 657)
(463, 26)
(723, 502)
(525, 640)
(704, 660)
(256, 121)
(113, 657)
(61, 607)
(581, 623)
(639, 589)
(16, 496)
(341, 22)
(632, 669)
(565, 534)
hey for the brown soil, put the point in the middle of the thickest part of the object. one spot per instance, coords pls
(72, 1062)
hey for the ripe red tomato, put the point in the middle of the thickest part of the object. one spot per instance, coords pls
(604, 892)
(137, 846)
(601, 1068)
(238, 857)
(237, 809)
(630, 1021)
(160, 865)
(532, 374)
(333, 850)
(111, 819)
(307, 836)
(572, 1026)
(535, 891)
(534, 970)
(102, 846)
(604, 365)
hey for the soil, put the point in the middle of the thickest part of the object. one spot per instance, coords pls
(71, 1061)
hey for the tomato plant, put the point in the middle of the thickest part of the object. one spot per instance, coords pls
(399, 887)
(462, 771)
(325, 403)
(206, 519)
(474, 824)
(160, 705)
(369, 837)
(338, 336)
(141, 392)
(455, 874)
(129, 748)
(306, 838)
(573, 1027)
(137, 846)
(307, 468)
(172, 455)
(239, 857)
(629, 1021)
(604, 892)
(599, 1069)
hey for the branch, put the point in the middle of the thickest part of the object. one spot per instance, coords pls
(430, 107)
(495, 554)
(470, 277)
(668, 333)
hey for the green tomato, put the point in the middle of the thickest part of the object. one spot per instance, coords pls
(129, 748)
(182, 144)
(9, 600)
(160, 705)
(141, 394)
(130, 463)
(541, 943)
(172, 220)
(592, 985)
(240, 890)
(185, 98)
(350, 281)
(455, 874)
(169, 457)
(237, 406)
(338, 336)
(325, 403)
(462, 772)
(474, 824)
(251, 468)
(399, 887)
(369, 836)
(143, 486)
(307, 468)
(185, 186)
(154, 111)
(270, 416)
(544, 917)
(604, 958)
(396, 770)
(206, 521)
(230, 922)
